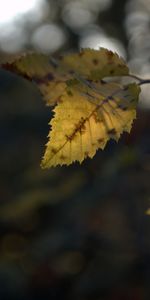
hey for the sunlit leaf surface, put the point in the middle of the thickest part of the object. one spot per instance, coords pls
(89, 109)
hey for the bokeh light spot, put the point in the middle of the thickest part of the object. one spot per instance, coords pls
(76, 16)
(48, 38)
(11, 9)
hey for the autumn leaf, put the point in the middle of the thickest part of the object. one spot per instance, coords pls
(53, 75)
(80, 127)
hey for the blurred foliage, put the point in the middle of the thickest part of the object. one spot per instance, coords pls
(77, 232)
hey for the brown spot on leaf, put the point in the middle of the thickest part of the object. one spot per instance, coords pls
(50, 77)
(63, 157)
(69, 137)
(82, 130)
(95, 61)
(112, 72)
(109, 54)
(100, 141)
(112, 131)
(69, 93)
(80, 126)
(54, 150)
(122, 107)
(71, 72)
(45, 79)
(110, 98)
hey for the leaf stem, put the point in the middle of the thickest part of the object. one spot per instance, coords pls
(144, 81)
(141, 80)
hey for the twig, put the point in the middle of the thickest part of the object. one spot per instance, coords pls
(141, 80)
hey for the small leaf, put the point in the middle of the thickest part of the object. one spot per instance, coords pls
(52, 76)
(80, 127)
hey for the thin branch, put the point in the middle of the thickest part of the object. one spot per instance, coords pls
(146, 81)
(135, 77)
(141, 80)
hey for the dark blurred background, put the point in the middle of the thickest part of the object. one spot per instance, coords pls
(80, 232)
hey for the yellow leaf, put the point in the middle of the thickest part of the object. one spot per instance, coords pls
(52, 76)
(80, 127)
(95, 64)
